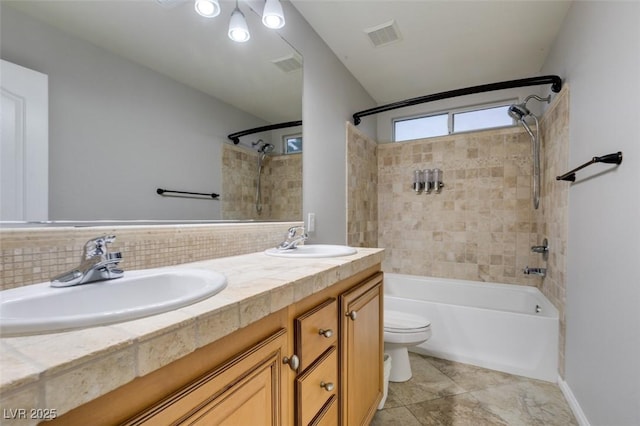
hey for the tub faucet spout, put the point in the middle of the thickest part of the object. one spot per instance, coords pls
(97, 264)
(541, 272)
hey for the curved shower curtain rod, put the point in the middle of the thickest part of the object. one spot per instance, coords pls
(554, 80)
(235, 137)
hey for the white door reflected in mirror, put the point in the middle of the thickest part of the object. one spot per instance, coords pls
(24, 162)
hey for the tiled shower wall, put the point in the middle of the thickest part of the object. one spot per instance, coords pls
(479, 227)
(281, 185)
(362, 190)
(29, 256)
(482, 226)
(553, 215)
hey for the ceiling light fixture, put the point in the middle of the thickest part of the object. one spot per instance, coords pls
(238, 28)
(272, 16)
(207, 8)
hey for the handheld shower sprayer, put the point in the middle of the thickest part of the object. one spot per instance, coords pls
(264, 148)
(519, 112)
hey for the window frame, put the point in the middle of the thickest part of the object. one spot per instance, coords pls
(450, 118)
(285, 145)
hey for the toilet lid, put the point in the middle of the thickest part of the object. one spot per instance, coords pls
(402, 321)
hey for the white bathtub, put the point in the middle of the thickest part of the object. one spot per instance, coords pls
(490, 325)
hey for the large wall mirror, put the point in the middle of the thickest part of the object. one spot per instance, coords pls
(142, 95)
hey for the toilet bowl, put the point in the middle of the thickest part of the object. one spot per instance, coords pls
(402, 330)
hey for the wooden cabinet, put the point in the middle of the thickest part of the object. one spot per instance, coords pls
(243, 391)
(315, 344)
(329, 415)
(334, 335)
(357, 318)
(316, 386)
(362, 347)
(315, 331)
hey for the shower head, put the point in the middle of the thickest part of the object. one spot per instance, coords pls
(518, 111)
(266, 148)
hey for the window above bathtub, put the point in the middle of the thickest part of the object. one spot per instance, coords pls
(292, 144)
(459, 120)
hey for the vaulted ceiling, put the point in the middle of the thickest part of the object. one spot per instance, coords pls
(443, 45)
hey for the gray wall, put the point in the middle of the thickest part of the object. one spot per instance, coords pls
(182, 127)
(330, 96)
(119, 130)
(598, 54)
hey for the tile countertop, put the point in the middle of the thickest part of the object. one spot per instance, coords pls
(96, 360)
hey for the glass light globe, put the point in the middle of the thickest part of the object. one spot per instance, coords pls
(207, 8)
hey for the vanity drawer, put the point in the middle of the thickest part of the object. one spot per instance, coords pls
(329, 414)
(315, 331)
(316, 386)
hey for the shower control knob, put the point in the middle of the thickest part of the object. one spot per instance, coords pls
(294, 362)
(353, 315)
(326, 333)
(327, 386)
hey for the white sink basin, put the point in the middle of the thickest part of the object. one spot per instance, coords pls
(313, 250)
(40, 308)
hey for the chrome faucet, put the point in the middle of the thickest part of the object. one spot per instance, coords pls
(541, 272)
(293, 238)
(97, 264)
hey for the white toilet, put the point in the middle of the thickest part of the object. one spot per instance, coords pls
(402, 330)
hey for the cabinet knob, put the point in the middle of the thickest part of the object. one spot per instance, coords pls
(326, 333)
(294, 362)
(327, 386)
(353, 315)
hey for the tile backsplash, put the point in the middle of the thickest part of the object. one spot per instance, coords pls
(31, 255)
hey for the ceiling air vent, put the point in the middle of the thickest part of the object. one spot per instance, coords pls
(289, 63)
(384, 34)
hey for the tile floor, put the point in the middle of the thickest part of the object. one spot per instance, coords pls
(448, 393)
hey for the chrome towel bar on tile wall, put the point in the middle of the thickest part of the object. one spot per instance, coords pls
(615, 158)
(166, 193)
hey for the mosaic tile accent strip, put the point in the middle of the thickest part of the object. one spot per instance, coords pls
(34, 255)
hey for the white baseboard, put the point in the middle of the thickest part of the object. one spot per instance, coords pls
(573, 403)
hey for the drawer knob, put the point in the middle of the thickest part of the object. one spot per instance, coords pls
(353, 315)
(327, 386)
(326, 333)
(294, 362)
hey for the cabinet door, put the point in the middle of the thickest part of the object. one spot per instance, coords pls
(362, 345)
(250, 389)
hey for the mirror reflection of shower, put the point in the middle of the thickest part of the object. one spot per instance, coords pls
(519, 112)
(264, 148)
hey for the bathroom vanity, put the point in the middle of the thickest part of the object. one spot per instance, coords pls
(289, 342)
